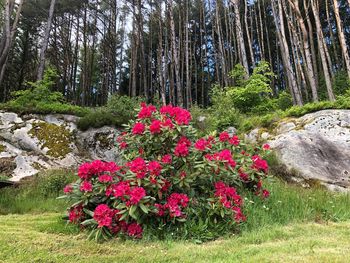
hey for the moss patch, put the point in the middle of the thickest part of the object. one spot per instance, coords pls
(2, 148)
(56, 138)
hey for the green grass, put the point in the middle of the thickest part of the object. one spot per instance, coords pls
(293, 225)
(43, 238)
(36, 195)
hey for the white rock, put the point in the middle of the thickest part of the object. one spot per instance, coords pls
(317, 148)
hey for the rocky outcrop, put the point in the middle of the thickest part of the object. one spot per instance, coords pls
(313, 148)
(31, 143)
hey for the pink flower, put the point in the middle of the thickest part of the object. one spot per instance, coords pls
(134, 230)
(120, 189)
(154, 168)
(168, 124)
(138, 166)
(123, 145)
(265, 193)
(138, 128)
(224, 136)
(136, 194)
(76, 214)
(68, 189)
(201, 144)
(146, 111)
(86, 186)
(105, 178)
(166, 159)
(155, 126)
(103, 215)
(174, 204)
(259, 164)
(234, 140)
(181, 150)
(266, 147)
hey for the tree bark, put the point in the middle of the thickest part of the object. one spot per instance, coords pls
(239, 34)
(310, 72)
(297, 99)
(342, 36)
(45, 41)
(321, 47)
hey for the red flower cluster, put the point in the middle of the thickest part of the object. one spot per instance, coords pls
(136, 194)
(229, 198)
(105, 178)
(182, 147)
(166, 159)
(175, 203)
(95, 168)
(154, 168)
(202, 144)
(126, 193)
(155, 127)
(68, 189)
(86, 186)
(103, 215)
(180, 115)
(139, 128)
(134, 230)
(138, 166)
(260, 164)
(146, 111)
(76, 214)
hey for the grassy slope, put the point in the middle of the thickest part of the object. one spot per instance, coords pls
(41, 238)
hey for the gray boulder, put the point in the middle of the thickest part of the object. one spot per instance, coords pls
(33, 142)
(316, 148)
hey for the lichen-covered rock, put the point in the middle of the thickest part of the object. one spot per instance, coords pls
(31, 143)
(316, 147)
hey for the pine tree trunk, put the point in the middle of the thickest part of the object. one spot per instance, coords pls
(310, 72)
(342, 36)
(45, 41)
(239, 34)
(321, 46)
(285, 53)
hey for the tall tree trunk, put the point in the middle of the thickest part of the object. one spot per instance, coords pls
(279, 21)
(321, 47)
(250, 46)
(45, 41)
(310, 72)
(175, 58)
(239, 34)
(8, 35)
(342, 36)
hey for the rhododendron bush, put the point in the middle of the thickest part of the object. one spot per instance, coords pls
(168, 177)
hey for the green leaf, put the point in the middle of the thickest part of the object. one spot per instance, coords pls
(89, 222)
(144, 208)
(89, 212)
(132, 211)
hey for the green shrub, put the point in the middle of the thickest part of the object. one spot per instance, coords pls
(39, 98)
(119, 110)
(254, 94)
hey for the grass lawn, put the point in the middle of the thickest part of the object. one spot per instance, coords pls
(41, 238)
(293, 225)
